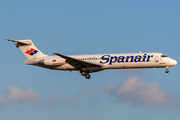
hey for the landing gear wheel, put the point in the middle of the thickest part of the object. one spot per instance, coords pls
(87, 76)
(167, 71)
(83, 73)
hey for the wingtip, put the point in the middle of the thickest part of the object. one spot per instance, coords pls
(55, 53)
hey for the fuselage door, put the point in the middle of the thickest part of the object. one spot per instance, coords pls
(157, 59)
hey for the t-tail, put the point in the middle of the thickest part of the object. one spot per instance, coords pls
(28, 48)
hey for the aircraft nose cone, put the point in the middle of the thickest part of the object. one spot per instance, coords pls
(174, 62)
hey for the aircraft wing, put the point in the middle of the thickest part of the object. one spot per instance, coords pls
(78, 64)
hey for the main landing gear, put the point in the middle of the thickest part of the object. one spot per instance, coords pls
(86, 74)
(167, 71)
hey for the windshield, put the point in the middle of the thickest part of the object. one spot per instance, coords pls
(163, 55)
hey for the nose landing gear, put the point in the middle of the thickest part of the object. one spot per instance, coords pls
(167, 71)
(86, 74)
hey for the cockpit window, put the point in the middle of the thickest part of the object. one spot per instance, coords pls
(163, 55)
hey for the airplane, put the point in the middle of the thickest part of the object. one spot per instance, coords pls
(92, 63)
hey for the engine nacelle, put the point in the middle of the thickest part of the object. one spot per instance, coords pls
(51, 62)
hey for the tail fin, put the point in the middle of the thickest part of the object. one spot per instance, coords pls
(28, 48)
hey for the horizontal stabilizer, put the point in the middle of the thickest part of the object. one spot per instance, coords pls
(20, 41)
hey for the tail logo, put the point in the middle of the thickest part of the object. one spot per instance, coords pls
(31, 51)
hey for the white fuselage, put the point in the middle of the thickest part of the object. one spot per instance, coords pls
(108, 61)
(92, 63)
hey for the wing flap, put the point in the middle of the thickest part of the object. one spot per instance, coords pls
(78, 64)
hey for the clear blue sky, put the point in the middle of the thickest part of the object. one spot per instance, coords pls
(89, 27)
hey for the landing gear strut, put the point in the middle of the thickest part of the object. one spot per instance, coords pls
(167, 71)
(86, 74)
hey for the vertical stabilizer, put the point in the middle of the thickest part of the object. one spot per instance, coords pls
(28, 48)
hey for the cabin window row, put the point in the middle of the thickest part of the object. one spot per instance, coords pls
(89, 58)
